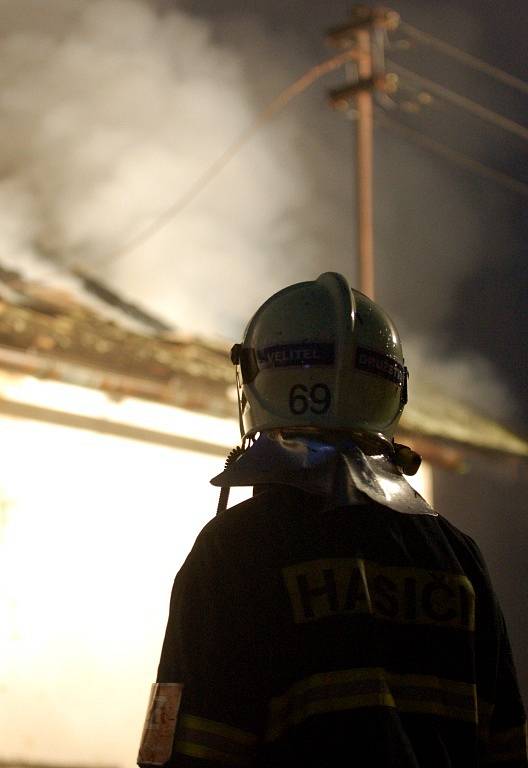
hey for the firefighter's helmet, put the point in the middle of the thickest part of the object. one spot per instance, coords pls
(319, 355)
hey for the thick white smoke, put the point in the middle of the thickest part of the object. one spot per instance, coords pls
(111, 109)
(469, 378)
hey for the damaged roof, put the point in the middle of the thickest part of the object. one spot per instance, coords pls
(109, 344)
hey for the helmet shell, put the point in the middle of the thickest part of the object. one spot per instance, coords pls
(318, 354)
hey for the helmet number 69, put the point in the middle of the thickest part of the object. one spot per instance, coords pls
(317, 399)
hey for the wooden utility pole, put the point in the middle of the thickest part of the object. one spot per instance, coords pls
(364, 166)
(364, 33)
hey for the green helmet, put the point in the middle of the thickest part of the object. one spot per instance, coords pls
(319, 355)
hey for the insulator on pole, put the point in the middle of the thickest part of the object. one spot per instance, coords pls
(362, 16)
(340, 98)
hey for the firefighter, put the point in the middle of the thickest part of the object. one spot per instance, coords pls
(334, 618)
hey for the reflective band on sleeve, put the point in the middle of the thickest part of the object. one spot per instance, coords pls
(505, 746)
(371, 687)
(160, 724)
(211, 740)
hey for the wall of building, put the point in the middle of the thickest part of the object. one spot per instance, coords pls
(93, 528)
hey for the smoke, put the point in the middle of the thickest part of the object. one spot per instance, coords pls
(111, 109)
(468, 377)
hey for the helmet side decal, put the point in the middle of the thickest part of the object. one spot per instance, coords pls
(380, 365)
(302, 354)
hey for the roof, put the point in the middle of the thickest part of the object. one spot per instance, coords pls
(55, 334)
(434, 414)
(125, 351)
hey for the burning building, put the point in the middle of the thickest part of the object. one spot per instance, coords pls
(111, 428)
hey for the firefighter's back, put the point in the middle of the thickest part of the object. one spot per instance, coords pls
(371, 633)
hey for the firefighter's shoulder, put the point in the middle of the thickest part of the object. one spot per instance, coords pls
(465, 548)
(238, 530)
(245, 519)
(240, 517)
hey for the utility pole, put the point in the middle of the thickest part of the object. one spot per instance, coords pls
(364, 32)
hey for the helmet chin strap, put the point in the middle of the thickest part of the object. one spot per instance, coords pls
(235, 359)
(236, 452)
(239, 389)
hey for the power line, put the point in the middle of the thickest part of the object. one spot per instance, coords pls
(488, 115)
(464, 57)
(275, 106)
(425, 142)
(301, 84)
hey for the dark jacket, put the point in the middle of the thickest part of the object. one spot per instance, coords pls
(351, 636)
